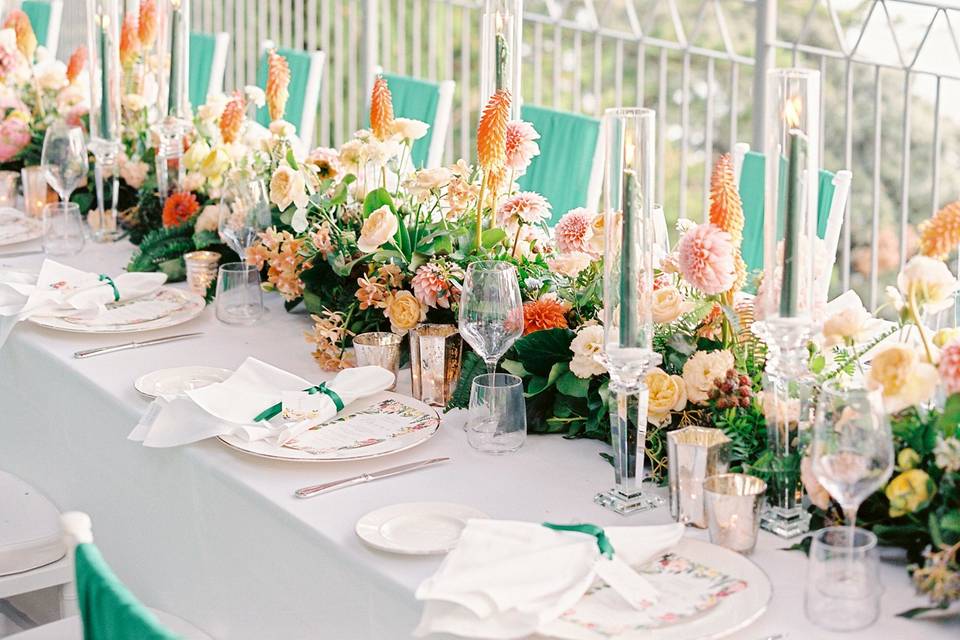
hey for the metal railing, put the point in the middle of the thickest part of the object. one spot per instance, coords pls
(699, 63)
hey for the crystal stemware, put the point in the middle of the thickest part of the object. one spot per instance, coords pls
(852, 447)
(64, 158)
(244, 213)
(491, 311)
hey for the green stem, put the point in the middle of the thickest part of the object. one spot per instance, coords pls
(912, 307)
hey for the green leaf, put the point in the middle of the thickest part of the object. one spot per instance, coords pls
(514, 367)
(913, 613)
(492, 237)
(291, 160)
(536, 385)
(541, 350)
(472, 366)
(817, 363)
(286, 216)
(951, 521)
(569, 384)
(376, 199)
(950, 418)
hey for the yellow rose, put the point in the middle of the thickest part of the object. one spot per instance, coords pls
(669, 304)
(910, 492)
(214, 165)
(904, 379)
(287, 187)
(943, 337)
(701, 369)
(377, 229)
(667, 394)
(404, 312)
(908, 459)
(195, 155)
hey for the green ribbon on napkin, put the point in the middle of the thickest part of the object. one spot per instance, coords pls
(603, 542)
(113, 285)
(270, 412)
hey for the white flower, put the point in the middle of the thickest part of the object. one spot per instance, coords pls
(904, 379)
(669, 304)
(377, 229)
(282, 129)
(350, 155)
(255, 95)
(852, 324)
(134, 102)
(213, 108)
(947, 453)
(299, 220)
(209, 218)
(570, 264)
(700, 371)
(51, 74)
(586, 346)
(287, 187)
(684, 225)
(928, 283)
(193, 181)
(408, 129)
(380, 152)
(195, 155)
(425, 181)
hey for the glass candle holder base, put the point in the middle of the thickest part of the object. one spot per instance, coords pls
(785, 523)
(625, 505)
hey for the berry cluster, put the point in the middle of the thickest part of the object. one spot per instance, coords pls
(731, 391)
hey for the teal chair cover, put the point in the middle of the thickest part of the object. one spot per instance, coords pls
(561, 173)
(416, 99)
(39, 13)
(202, 49)
(107, 608)
(751, 192)
(299, 62)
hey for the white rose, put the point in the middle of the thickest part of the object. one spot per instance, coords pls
(848, 324)
(213, 108)
(927, 283)
(282, 129)
(669, 304)
(408, 129)
(377, 229)
(571, 263)
(51, 74)
(379, 152)
(209, 218)
(287, 187)
(667, 394)
(700, 371)
(903, 378)
(423, 182)
(255, 95)
(586, 346)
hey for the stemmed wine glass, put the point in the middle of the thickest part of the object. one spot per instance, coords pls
(852, 447)
(491, 312)
(244, 213)
(64, 158)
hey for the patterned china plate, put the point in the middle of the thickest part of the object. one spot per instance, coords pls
(166, 307)
(371, 427)
(16, 227)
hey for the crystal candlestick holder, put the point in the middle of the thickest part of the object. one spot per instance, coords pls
(171, 170)
(103, 219)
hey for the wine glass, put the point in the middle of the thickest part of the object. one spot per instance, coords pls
(64, 158)
(491, 312)
(244, 213)
(852, 447)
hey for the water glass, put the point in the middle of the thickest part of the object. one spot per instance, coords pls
(62, 229)
(491, 311)
(239, 298)
(379, 349)
(64, 158)
(497, 418)
(8, 188)
(843, 579)
(244, 214)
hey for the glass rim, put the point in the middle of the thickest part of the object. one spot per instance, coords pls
(238, 267)
(791, 73)
(871, 542)
(490, 265)
(630, 112)
(483, 380)
(61, 206)
(373, 338)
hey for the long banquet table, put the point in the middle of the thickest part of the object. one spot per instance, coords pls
(216, 536)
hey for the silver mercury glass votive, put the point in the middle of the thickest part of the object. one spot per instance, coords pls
(379, 349)
(435, 357)
(694, 454)
(201, 270)
(733, 502)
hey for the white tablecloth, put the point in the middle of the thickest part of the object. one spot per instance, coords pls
(217, 538)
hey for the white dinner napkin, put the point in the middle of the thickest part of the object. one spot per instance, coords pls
(59, 290)
(229, 407)
(509, 579)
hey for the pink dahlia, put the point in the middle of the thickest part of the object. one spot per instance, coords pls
(525, 207)
(437, 284)
(707, 259)
(574, 231)
(14, 137)
(521, 145)
(949, 367)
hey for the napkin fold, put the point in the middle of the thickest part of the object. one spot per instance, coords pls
(509, 579)
(230, 407)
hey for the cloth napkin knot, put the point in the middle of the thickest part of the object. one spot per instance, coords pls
(274, 410)
(603, 542)
(113, 285)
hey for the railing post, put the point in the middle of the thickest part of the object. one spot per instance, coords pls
(765, 59)
(371, 44)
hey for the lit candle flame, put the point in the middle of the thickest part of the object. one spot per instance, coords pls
(791, 111)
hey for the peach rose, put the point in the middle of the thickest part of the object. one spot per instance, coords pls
(287, 187)
(701, 369)
(667, 394)
(669, 304)
(404, 311)
(377, 229)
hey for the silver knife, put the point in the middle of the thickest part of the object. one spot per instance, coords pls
(86, 353)
(309, 492)
(18, 254)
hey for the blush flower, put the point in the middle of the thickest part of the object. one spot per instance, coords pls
(707, 259)
(949, 368)
(525, 207)
(437, 284)
(14, 137)
(326, 161)
(521, 145)
(574, 231)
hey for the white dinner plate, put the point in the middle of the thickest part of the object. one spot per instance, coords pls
(370, 427)
(15, 227)
(166, 307)
(416, 528)
(176, 380)
(721, 590)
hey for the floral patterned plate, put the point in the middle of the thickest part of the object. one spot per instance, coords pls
(706, 592)
(167, 307)
(371, 427)
(16, 227)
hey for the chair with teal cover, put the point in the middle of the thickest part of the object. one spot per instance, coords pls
(208, 65)
(568, 171)
(429, 102)
(108, 610)
(45, 17)
(306, 72)
(831, 202)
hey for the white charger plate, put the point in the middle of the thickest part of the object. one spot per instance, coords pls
(183, 306)
(15, 227)
(416, 528)
(421, 425)
(176, 380)
(732, 612)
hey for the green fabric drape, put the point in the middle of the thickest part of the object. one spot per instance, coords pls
(202, 49)
(751, 192)
(299, 62)
(108, 610)
(39, 13)
(416, 99)
(561, 173)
